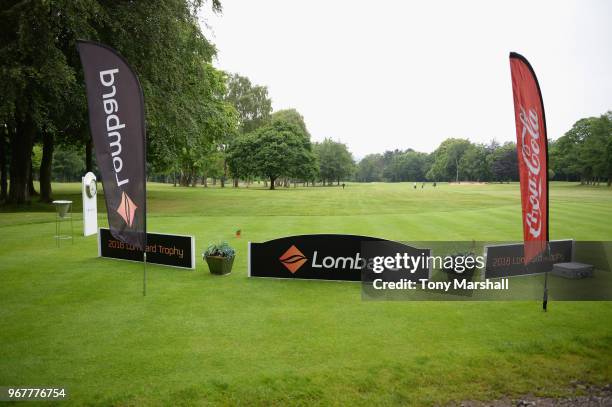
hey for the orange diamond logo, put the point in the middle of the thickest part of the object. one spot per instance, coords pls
(293, 259)
(126, 209)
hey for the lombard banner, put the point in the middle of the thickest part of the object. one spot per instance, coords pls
(162, 249)
(116, 121)
(336, 257)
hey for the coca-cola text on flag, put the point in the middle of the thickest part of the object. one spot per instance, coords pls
(532, 150)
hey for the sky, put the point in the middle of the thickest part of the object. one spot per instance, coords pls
(380, 75)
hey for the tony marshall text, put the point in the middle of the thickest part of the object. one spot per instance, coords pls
(406, 284)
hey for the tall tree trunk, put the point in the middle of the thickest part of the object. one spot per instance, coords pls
(3, 169)
(272, 180)
(45, 167)
(235, 182)
(224, 173)
(88, 154)
(457, 166)
(21, 162)
(31, 188)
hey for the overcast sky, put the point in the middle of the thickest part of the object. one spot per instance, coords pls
(381, 75)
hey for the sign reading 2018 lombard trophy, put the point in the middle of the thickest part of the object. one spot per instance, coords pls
(507, 260)
(332, 257)
(166, 250)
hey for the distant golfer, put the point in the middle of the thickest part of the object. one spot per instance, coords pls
(414, 185)
(422, 185)
(343, 185)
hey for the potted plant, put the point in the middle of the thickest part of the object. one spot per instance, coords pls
(220, 258)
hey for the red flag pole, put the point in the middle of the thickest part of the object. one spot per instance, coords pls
(532, 151)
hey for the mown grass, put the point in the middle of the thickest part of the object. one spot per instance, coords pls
(71, 319)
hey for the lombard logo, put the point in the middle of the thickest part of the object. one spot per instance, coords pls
(293, 259)
(126, 209)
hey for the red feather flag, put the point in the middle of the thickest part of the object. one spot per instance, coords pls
(532, 150)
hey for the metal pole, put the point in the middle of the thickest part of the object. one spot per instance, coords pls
(144, 276)
(71, 225)
(545, 297)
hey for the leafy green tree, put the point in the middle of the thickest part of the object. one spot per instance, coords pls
(406, 166)
(335, 161)
(253, 107)
(291, 116)
(446, 159)
(504, 163)
(37, 77)
(474, 163)
(278, 149)
(68, 163)
(43, 90)
(370, 168)
(251, 102)
(212, 166)
(585, 151)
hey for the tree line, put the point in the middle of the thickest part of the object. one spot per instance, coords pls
(202, 123)
(582, 154)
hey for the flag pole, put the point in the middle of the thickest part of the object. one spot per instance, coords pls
(549, 257)
(144, 186)
(144, 142)
(144, 276)
(545, 296)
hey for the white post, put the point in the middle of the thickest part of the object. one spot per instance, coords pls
(90, 204)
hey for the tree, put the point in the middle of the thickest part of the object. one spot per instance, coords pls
(278, 149)
(335, 161)
(68, 163)
(585, 151)
(474, 163)
(37, 79)
(370, 168)
(291, 116)
(212, 166)
(406, 165)
(253, 107)
(504, 163)
(251, 102)
(446, 159)
(42, 83)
